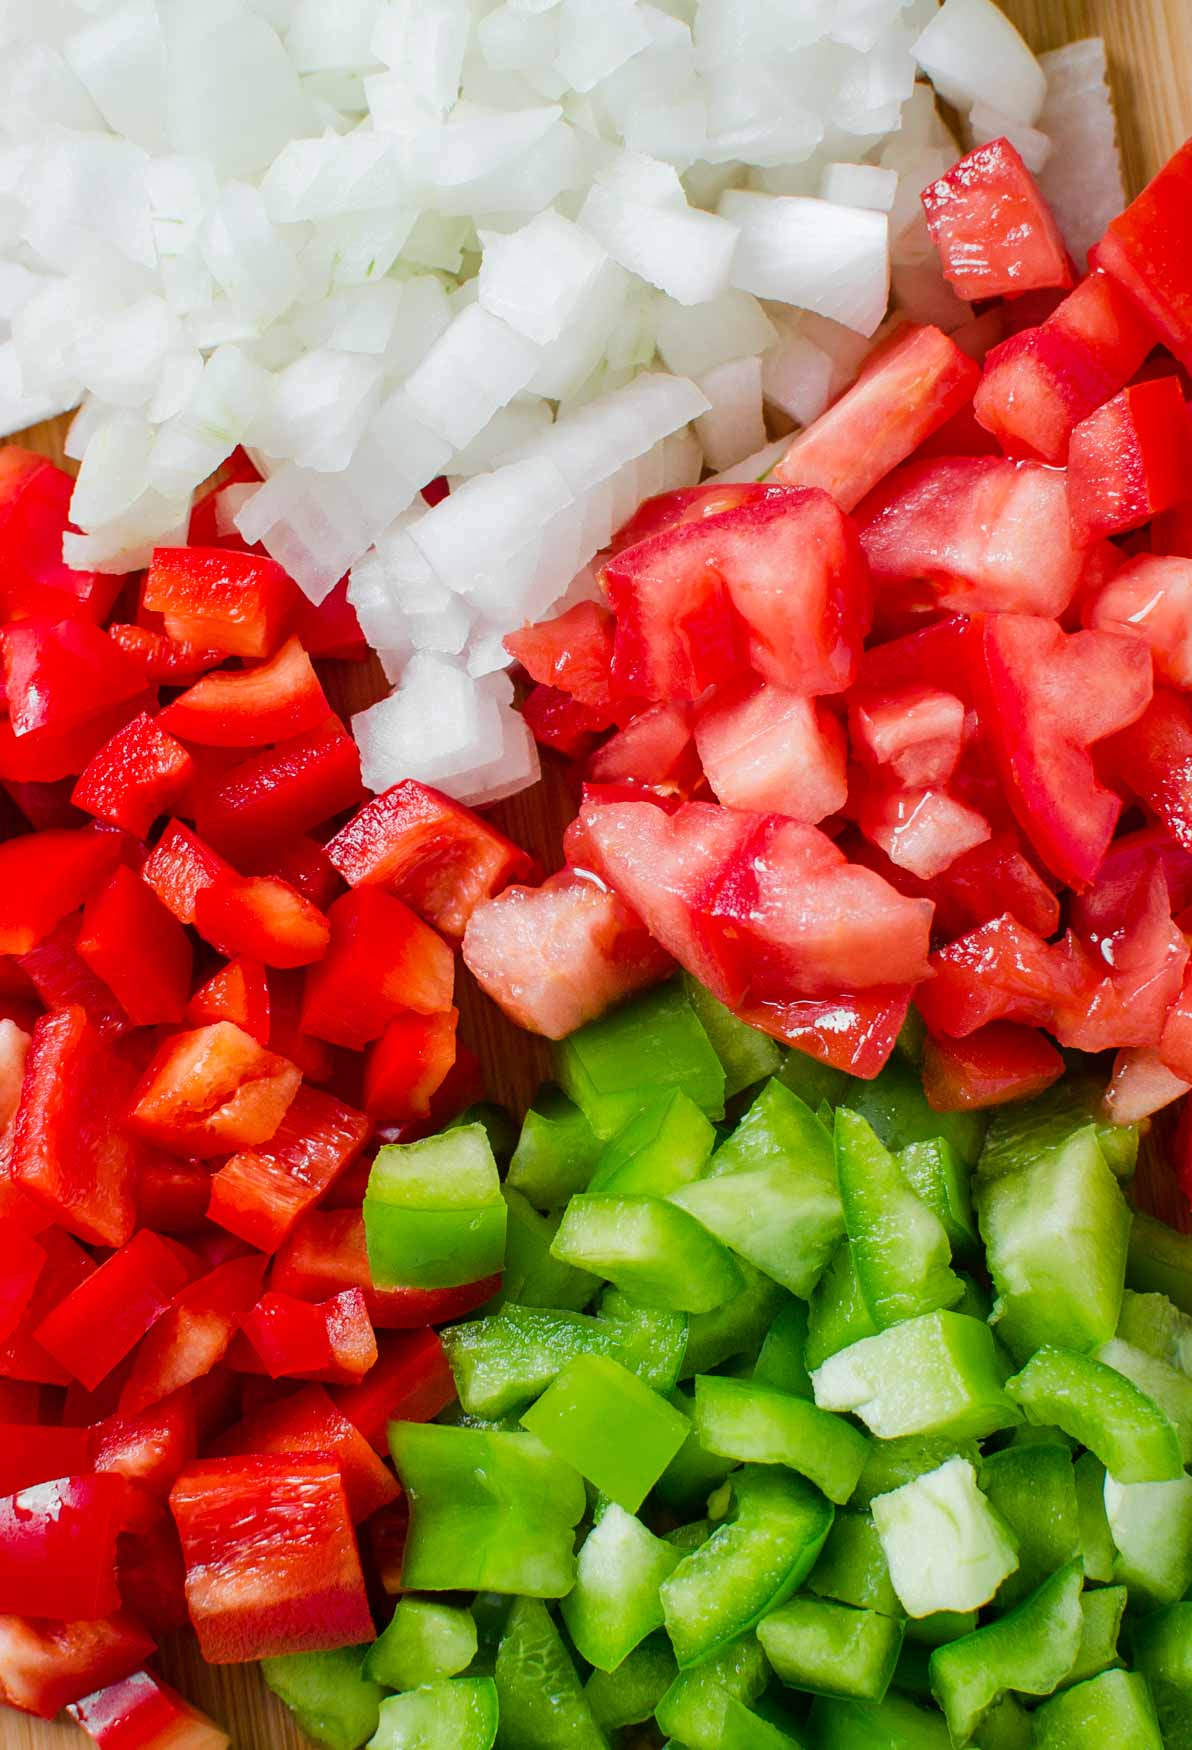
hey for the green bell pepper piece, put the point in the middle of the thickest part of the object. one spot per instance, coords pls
(556, 1153)
(852, 1567)
(599, 1418)
(616, 1066)
(1007, 1726)
(666, 1146)
(1113, 1709)
(893, 1462)
(900, 1249)
(939, 1628)
(947, 1548)
(629, 1695)
(693, 1474)
(542, 1701)
(615, 1603)
(749, 1566)
(434, 1216)
(737, 1328)
(781, 1360)
(896, 1108)
(653, 1251)
(1102, 1410)
(755, 1424)
(1154, 1324)
(893, 1724)
(837, 1316)
(831, 1649)
(1033, 1487)
(817, 1084)
(329, 1694)
(975, 1301)
(1151, 1526)
(1032, 1132)
(940, 1179)
(1103, 1608)
(532, 1277)
(1164, 1385)
(698, 1702)
(747, 1055)
(498, 1124)
(651, 1341)
(423, 1643)
(505, 1361)
(459, 1714)
(489, 1512)
(1162, 1648)
(1029, 1650)
(937, 1374)
(1160, 1261)
(1097, 1549)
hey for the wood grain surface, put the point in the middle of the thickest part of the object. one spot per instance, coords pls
(1150, 52)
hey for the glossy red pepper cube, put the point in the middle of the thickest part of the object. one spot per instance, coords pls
(33, 1454)
(261, 1194)
(307, 1421)
(332, 1341)
(162, 661)
(45, 1665)
(281, 792)
(382, 959)
(408, 1065)
(22, 1357)
(251, 707)
(24, 1261)
(44, 876)
(63, 980)
(179, 867)
(141, 952)
(236, 602)
(150, 1448)
(35, 581)
(211, 1091)
(137, 776)
(238, 992)
(192, 1336)
(60, 675)
(58, 1546)
(49, 755)
(143, 1713)
(411, 1382)
(105, 1318)
(262, 918)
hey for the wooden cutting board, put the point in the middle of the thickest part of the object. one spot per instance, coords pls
(1150, 48)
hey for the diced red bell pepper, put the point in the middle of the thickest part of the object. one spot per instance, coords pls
(994, 231)
(63, 980)
(1122, 980)
(58, 1546)
(974, 534)
(24, 1261)
(1147, 249)
(137, 776)
(271, 1560)
(238, 992)
(152, 1577)
(211, 1091)
(999, 1064)
(143, 1713)
(924, 829)
(408, 1065)
(572, 654)
(32, 1454)
(314, 1057)
(281, 792)
(855, 1031)
(179, 867)
(66, 1266)
(143, 955)
(332, 1341)
(1171, 532)
(411, 1382)
(50, 755)
(656, 747)
(382, 960)
(557, 956)
(172, 1195)
(1039, 384)
(1130, 459)
(916, 732)
(261, 1195)
(261, 918)
(20, 1403)
(34, 515)
(767, 749)
(251, 707)
(904, 394)
(307, 1421)
(69, 1151)
(327, 1253)
(433, 853)
(162, 660)
(44, 807)
(151, 1448)
(559, 722)
(235, 602)
(192, 1337)
(1049, 697)
(999, 972)
(44, 876)
(58, 675)
(330, 629)
(46, 1665)
(105, 1318)
(1151, 599)
(304, 863)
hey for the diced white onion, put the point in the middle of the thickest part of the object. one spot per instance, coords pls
(973, 54)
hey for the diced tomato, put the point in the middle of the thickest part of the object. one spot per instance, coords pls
(1152, 759)
(178, 867)
(150, 1448)
(66, 1266)
(688, 504)
(251, 707)
(330, 629)
(193, 1335)
(770, 750)
(211, 1091)
(32, 1454)
(46, 1665)
(993, 879)
(938, 656)
(411, 1382)
(58, 1546)
(261, 918)
(238, 992)
(59, 675)
(46, 875)
(915, 731)
(307, 1421)
(924, 829)
(261, 1195)
(143, 955)
(137, 776)
(572, 653)
(332, 1341)
(1123, 978)
(271, 1562)
(1147, 248)
(854, 1031)
(1001, 971)
(162, 660)
(408, 1065)
(992, 227)
(1171, 532)
(382, 959)
(1130, 459)
(143, 1713)
(34, 515)
(1151, 598)
(974, 534)
(1141, 1085)
(235, 602)
(559, 722)
(656, 746)
(907, 392)
(999, 1064)
(107, 1315)
(326, 1253)
(282, 792)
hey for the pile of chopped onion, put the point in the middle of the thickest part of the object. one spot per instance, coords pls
(563, 252)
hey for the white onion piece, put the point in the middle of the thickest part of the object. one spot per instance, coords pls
(733, 427)
(478, 365)
(973, 54)
(755, 467)
(1082, 178)
(692, 341)
(120, 60)
(859, 185)
(810, 253)
(536, 278)
(1031, 144)
(797, 377)
(19, 409)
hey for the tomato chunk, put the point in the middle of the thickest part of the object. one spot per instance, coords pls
(251, 707)
(917, 732)
(261, 1195)
(236, 602)
(770, 750)
(46, 1665)
(923, 829)
(1122, 976)
(1130, 459)
(992, 1067)
(382, 959)
(854, 1031)
(1151, 599)
(1147, 247)
(992, 227)
(143, 1713)
(1152, 760)
(558, 721)
(143, 955)
(213, 1090)
(656, 746)
(572, 653)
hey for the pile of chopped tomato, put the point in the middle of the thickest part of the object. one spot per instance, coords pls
(225, 975)
(911, 721)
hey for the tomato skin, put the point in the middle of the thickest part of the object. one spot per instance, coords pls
(992, 1067)
(854, 1031)
(992, 227)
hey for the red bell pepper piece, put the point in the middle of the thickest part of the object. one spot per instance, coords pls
(192, 1337)
(994, 231)
(151, 1448)
(262, 918)
(330, 629)
(46, 875)
(141, 952)
(143, 1713)
(162, 660)
(411, 1382)
(66, 1266)
(49, 755)
(178, 867)
(59, 675)
(1147, 248)
(907, 391)
(34, 515)
(764, 748)
(327, 1253)
(655, 747)
(212, 1091)
(235, 602)
(172, 1195)
(408, 1065)
(152, 1577)
(105, 1318)
(1130, 459)
(46, 1665)
(63, 980)
(304, 864)
(31, 1455)
(58, 1546)
(238, 992)
(44, 807)
(1171, 532)
(382, 959)
(308, 1422)
(330, 1341)
(68, 1150)
(1000, 1063)
(251, 707)
(271, 1562)
(20, 1403)
(315, 1058)
(571, 654)
(24, 1261)
(855, 1031)
(388, 1533)
(137, 776)
(282, 792)
(261, 1195)
(1151, 599)
(559, 722)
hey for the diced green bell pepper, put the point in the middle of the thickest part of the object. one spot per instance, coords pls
(755, 1424)
(1007, 1726)
(900, 1249)
(746, 1054)
(1164, 1385)
(693, 1474)
(1162, 1649)
(1029, 1650)
(940, 1627)
(424, 1643)
(599, 1418)
(489, 1512)
(1027, 1133)
(852, 1567)
(937, 1374)
(781, 1360)
(1102, 1608)
(831, 1649)
(542, 1701)
(556, 1153)
(651, 1341)
(893, 1724)
(629, 1695)
(737, 1328)
(532, 1275)
(1097, 1549)
(1102, 1410)
(329, 1694)
(498, 1124)
(754, 1562)
(615, 1066)
(837, 1316)
(817, 1084)
(940, 1179)
(459, 1714)
(1156, 1325)
(1160, 1261)
(1151, 1526)
(615, 1603)
(947, 1548)
(694, 1711)
(1033, 1487)
(1113, 1709)
(434, 1216)
(664, 1147)
(505, 1361)
(893, 1462)
(896, 1107)
(653, 1251)
(975, 1301)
